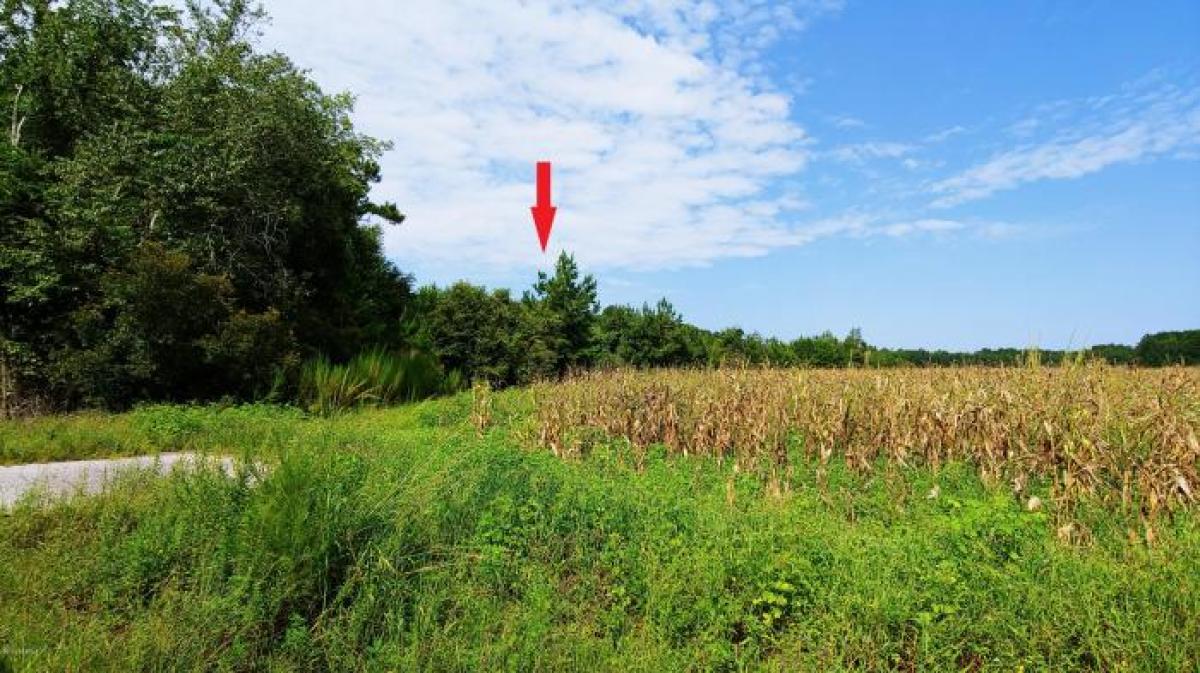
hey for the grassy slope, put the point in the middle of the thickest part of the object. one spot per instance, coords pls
(398, 540)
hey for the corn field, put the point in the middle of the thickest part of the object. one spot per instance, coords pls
(1121, 435)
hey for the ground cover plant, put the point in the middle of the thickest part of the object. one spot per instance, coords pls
(441, 536)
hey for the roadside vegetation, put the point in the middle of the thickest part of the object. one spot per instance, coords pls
(434, 536)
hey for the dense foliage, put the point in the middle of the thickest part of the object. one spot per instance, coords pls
(494, 337)
(180, 216)
(1169, 348)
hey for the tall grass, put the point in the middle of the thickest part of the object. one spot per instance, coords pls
(373, 377)
(402, 540)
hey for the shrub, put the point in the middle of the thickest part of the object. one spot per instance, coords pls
(373, 377)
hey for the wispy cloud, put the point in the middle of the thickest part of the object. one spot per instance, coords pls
(861, 152)
(926, 225)
(1144, 121)
(865, 225)
(847, 122)
(667, 139)
(945, 134)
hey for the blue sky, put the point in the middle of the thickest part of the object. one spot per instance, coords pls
(940, 174)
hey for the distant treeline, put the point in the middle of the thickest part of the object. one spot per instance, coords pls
(1153, 350)
(185, 218)
(559, 326)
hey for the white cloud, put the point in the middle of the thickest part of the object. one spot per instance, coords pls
(671, 144)
(668, 141)
(1141, 122)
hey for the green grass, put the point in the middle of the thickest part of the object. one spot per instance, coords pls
(147, 430)
(400, 540)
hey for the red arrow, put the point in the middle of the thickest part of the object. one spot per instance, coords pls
(543, 212)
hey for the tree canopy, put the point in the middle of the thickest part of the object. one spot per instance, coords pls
(181, 214)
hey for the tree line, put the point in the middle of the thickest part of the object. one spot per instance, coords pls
(184, 217)
(558, 326)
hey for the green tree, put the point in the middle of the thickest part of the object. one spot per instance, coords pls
(135, 127)
(471, 330)
(571, 300)
(825, 350)
(1169, 348)
(1116, 354)
(651, 337)
(487, 335)
(539, 343)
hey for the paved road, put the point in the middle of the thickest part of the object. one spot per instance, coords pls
(66, 477)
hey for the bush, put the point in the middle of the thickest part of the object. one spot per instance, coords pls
(373, 377)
